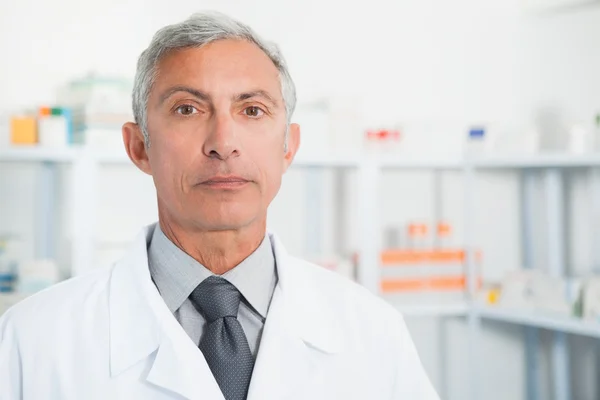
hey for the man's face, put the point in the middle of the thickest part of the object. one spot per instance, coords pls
(217, 121)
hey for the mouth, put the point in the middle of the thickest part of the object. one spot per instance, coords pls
(225, 182)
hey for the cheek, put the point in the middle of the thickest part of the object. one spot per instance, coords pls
(268, 156)
(172, 145)
(272, 168)
(166, 161)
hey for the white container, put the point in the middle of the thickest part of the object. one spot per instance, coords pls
(476, 143)
(591, 299)
(531, 141)
(581, 140)
(53, 131)
(534, 290)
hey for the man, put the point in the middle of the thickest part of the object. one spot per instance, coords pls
(207, 305)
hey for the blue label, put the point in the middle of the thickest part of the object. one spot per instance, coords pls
(476, 133)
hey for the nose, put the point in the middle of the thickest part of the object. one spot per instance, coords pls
(222, 142)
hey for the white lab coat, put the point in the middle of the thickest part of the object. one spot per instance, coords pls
(109, 335)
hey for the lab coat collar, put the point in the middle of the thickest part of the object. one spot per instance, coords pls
(300, 328)
(142, 328)
(134, 333)
(311, 315)
(299, 334)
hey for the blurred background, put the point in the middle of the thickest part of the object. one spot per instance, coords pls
(450, 163)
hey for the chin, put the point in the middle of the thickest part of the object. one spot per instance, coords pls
(227, 222)
(219, 215)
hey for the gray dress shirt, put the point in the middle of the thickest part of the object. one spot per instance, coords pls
(176, 275)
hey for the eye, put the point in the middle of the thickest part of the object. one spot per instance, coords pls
(186, 109)
(253, 111)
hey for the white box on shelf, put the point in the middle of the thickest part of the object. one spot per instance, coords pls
(53, 131)
(531, 290)
(591, 299)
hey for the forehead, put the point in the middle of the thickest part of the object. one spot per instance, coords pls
(221, 67)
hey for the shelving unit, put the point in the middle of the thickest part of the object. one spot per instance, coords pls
(538, 161)
(85, 164)
(570, 325)
(550, 167)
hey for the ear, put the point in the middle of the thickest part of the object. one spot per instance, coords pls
(293, 144)
(133, 139)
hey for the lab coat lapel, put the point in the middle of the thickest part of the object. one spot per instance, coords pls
(143, 328)
(180, 367)
(298, 334)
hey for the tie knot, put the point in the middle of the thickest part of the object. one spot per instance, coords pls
(216, 298)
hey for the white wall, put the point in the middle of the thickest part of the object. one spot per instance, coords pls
(412, 59)
(392, 60)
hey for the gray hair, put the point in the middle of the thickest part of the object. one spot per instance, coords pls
(198, 30)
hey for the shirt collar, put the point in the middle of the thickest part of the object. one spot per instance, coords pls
(256, 277)
(176, 274)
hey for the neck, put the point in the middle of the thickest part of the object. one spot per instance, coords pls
(218, 251)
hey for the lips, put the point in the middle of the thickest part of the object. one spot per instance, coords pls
(225, 182)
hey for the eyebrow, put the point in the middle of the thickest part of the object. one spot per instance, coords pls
(194, 92)
(255, 93)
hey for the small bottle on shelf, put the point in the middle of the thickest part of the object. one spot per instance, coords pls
(382, 141)
(475, 143)
(418, 235)
(444, 234)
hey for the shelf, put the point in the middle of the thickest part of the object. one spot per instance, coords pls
(555, 323)
(385, 161)
(60, 155)
(116, 156)
(547, 160)
(437, 310)
(39, 154)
